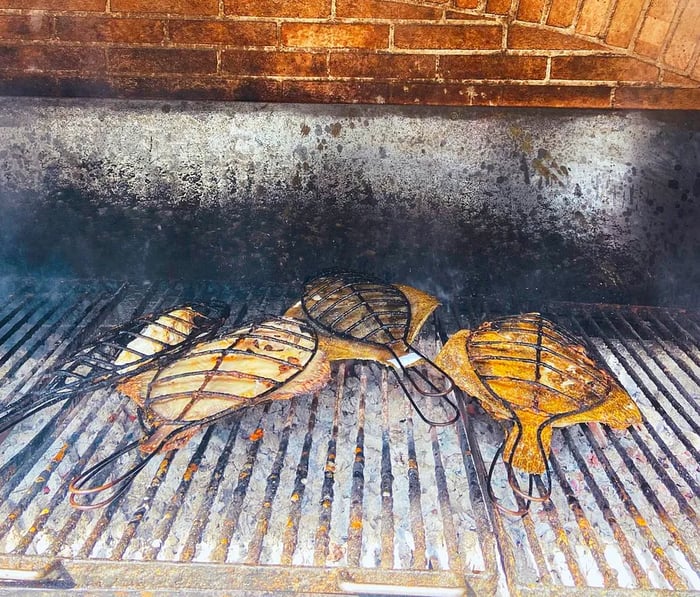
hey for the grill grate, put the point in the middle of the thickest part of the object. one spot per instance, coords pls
(348, 489)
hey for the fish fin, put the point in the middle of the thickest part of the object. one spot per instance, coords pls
(422, 305)
(296, 311)
(525, 450)
(136, 387)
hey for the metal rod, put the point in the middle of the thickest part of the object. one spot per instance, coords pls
(199, 524)
(355, 523)
(166, 521)
(327, 493)
(655, 549)
(588, 532)
(273, 480)
(228, 525)
(291, 533)
(604, 505)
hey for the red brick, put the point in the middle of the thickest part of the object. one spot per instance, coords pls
(498, 7)
(230, 33)
(448, 37)
(51, 58)
(456, 15)
(663, 9)
(562, 13)
(494, 67)
(673, 80)
(382, 66)
(161, 60)
(530, 10)
(197, 87)
(652, 36)
(535, 38)
(381, 9)
(592, 18)
(466, 3)
(657, 99)
(685, 38)
(35, 26)
(109, 29)
(84, 5)
(462, 94)
(347, 92)
(305, 9)
(175, 7)
(623, 22)
(322, 35)
(602, 68)
(260, 63)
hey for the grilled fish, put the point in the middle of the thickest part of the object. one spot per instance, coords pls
(360, 317)
(529, 371)
(122, 351)
(275, 359)
(338, 348)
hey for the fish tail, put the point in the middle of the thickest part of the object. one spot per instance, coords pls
(523, 450)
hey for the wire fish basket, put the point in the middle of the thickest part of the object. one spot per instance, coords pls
(531, 373)
(357, 307)
(272, 359)
(120, 352)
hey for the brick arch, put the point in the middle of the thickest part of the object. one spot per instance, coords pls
(660, 32)
(558, 53)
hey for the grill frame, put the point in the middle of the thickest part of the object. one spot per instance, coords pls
(54, 571)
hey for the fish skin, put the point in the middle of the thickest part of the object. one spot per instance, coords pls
(162, 414)
(534, 410)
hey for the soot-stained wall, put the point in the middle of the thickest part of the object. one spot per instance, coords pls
(568, 205)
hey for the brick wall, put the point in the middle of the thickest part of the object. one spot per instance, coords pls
(563, 53)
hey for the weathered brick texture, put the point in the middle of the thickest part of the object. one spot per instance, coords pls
(177, 7)
(448, 37)
(558, 53)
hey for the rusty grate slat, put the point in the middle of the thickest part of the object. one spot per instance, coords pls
(348, 480)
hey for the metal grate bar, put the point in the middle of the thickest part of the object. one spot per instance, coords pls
(41, 342)
(273, 481)
(28, 334)
(202, 517)
(358, 478)
(608, 513)
(17, 325)
(291, 534)
(453, 556)
(327, 494)
(59, 496)
(663, 332)
(561, 537)
(683, 504)
(228, 526)
(588, 533)
(682, 336)
(654, 547)
(648, 394)
(649, 493)
(161, 533)
(414, 495)
(660, 364)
